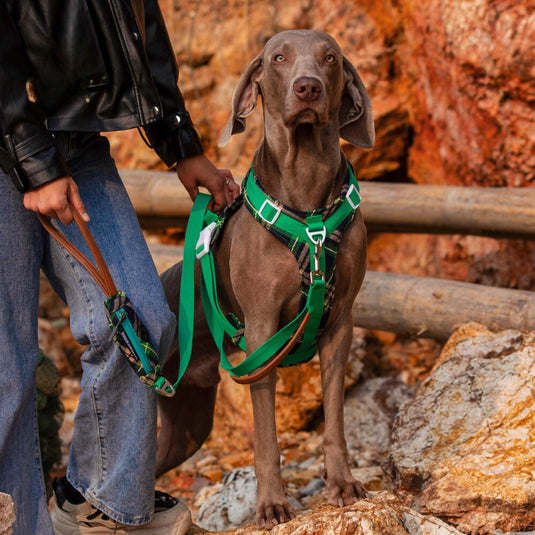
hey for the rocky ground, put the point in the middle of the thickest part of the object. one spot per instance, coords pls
(374, 355)
(460, 448)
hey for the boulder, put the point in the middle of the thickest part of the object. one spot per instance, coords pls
(381, 514)
(7, 514)
(369, 412)
(463, 450)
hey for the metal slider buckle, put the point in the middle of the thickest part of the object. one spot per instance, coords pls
(276, 215)
(205, 238)
(166, 389)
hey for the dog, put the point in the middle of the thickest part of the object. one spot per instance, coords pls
(311, 96)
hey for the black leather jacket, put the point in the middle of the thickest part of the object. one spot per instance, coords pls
(85, 65)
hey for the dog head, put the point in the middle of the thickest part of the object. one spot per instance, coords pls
(303, 77)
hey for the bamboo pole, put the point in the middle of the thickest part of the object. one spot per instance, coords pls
(484, 211)
(432, 308)
(419, 306)
(157, 194)
(160, 199)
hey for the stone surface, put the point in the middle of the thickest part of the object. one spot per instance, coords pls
(7, 514)
(463, 449)
(233, 504)
(369, 411)
(381, 514)
(470, 65)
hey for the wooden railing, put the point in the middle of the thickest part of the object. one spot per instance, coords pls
(421, 306)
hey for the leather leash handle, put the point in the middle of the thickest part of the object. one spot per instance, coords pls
(275, 361)
(100, 273)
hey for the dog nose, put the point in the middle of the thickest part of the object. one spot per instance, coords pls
(307, 88)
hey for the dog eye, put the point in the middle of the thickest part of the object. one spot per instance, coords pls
(279, 58)
(330, 58)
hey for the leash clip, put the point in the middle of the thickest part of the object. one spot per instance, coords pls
(317, 237)
(205, 238)
(164, 388)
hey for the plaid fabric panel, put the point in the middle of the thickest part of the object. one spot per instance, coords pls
(119, 307)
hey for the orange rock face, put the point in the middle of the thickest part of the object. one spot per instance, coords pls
(470, 67)
(453, 91)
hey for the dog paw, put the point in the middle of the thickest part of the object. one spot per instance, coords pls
(270, 515)
(347, 493)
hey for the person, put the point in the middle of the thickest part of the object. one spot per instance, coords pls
(70, 70)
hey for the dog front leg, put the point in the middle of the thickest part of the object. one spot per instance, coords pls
(342, 487)
(272, 506)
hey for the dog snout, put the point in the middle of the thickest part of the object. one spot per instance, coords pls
(307, 88)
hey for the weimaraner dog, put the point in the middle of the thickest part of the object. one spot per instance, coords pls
(311, 96)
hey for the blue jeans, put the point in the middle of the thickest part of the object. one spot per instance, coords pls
(113, 448)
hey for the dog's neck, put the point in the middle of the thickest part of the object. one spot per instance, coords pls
(302, 167)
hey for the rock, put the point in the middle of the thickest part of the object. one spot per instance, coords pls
(463, 449)
(381, 514)
(369, 412)
(470, 67)
(234, 504)
(7, 514)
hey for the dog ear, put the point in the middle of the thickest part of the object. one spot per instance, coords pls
(243, 100)
(356, 114)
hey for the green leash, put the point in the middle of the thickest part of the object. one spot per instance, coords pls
(186, 307)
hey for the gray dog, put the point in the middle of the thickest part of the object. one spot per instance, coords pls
(311, 96)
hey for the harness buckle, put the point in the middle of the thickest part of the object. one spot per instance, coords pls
(317, 237)
(205, 238)
(316, 275)
(354, 204)
(270, 204)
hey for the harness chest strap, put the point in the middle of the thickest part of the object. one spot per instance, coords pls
(271, 212)
(316, 230)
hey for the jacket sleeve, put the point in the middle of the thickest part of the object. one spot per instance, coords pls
(173, 137)
(28, 152)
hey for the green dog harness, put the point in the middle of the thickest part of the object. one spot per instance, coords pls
(313, 237)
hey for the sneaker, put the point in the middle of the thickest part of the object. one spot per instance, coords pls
(73, 515)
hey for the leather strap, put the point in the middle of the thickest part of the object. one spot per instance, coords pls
(274, 362)
(100, 272)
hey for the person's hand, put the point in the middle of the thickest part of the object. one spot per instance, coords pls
(54, 199)
(197, 171)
